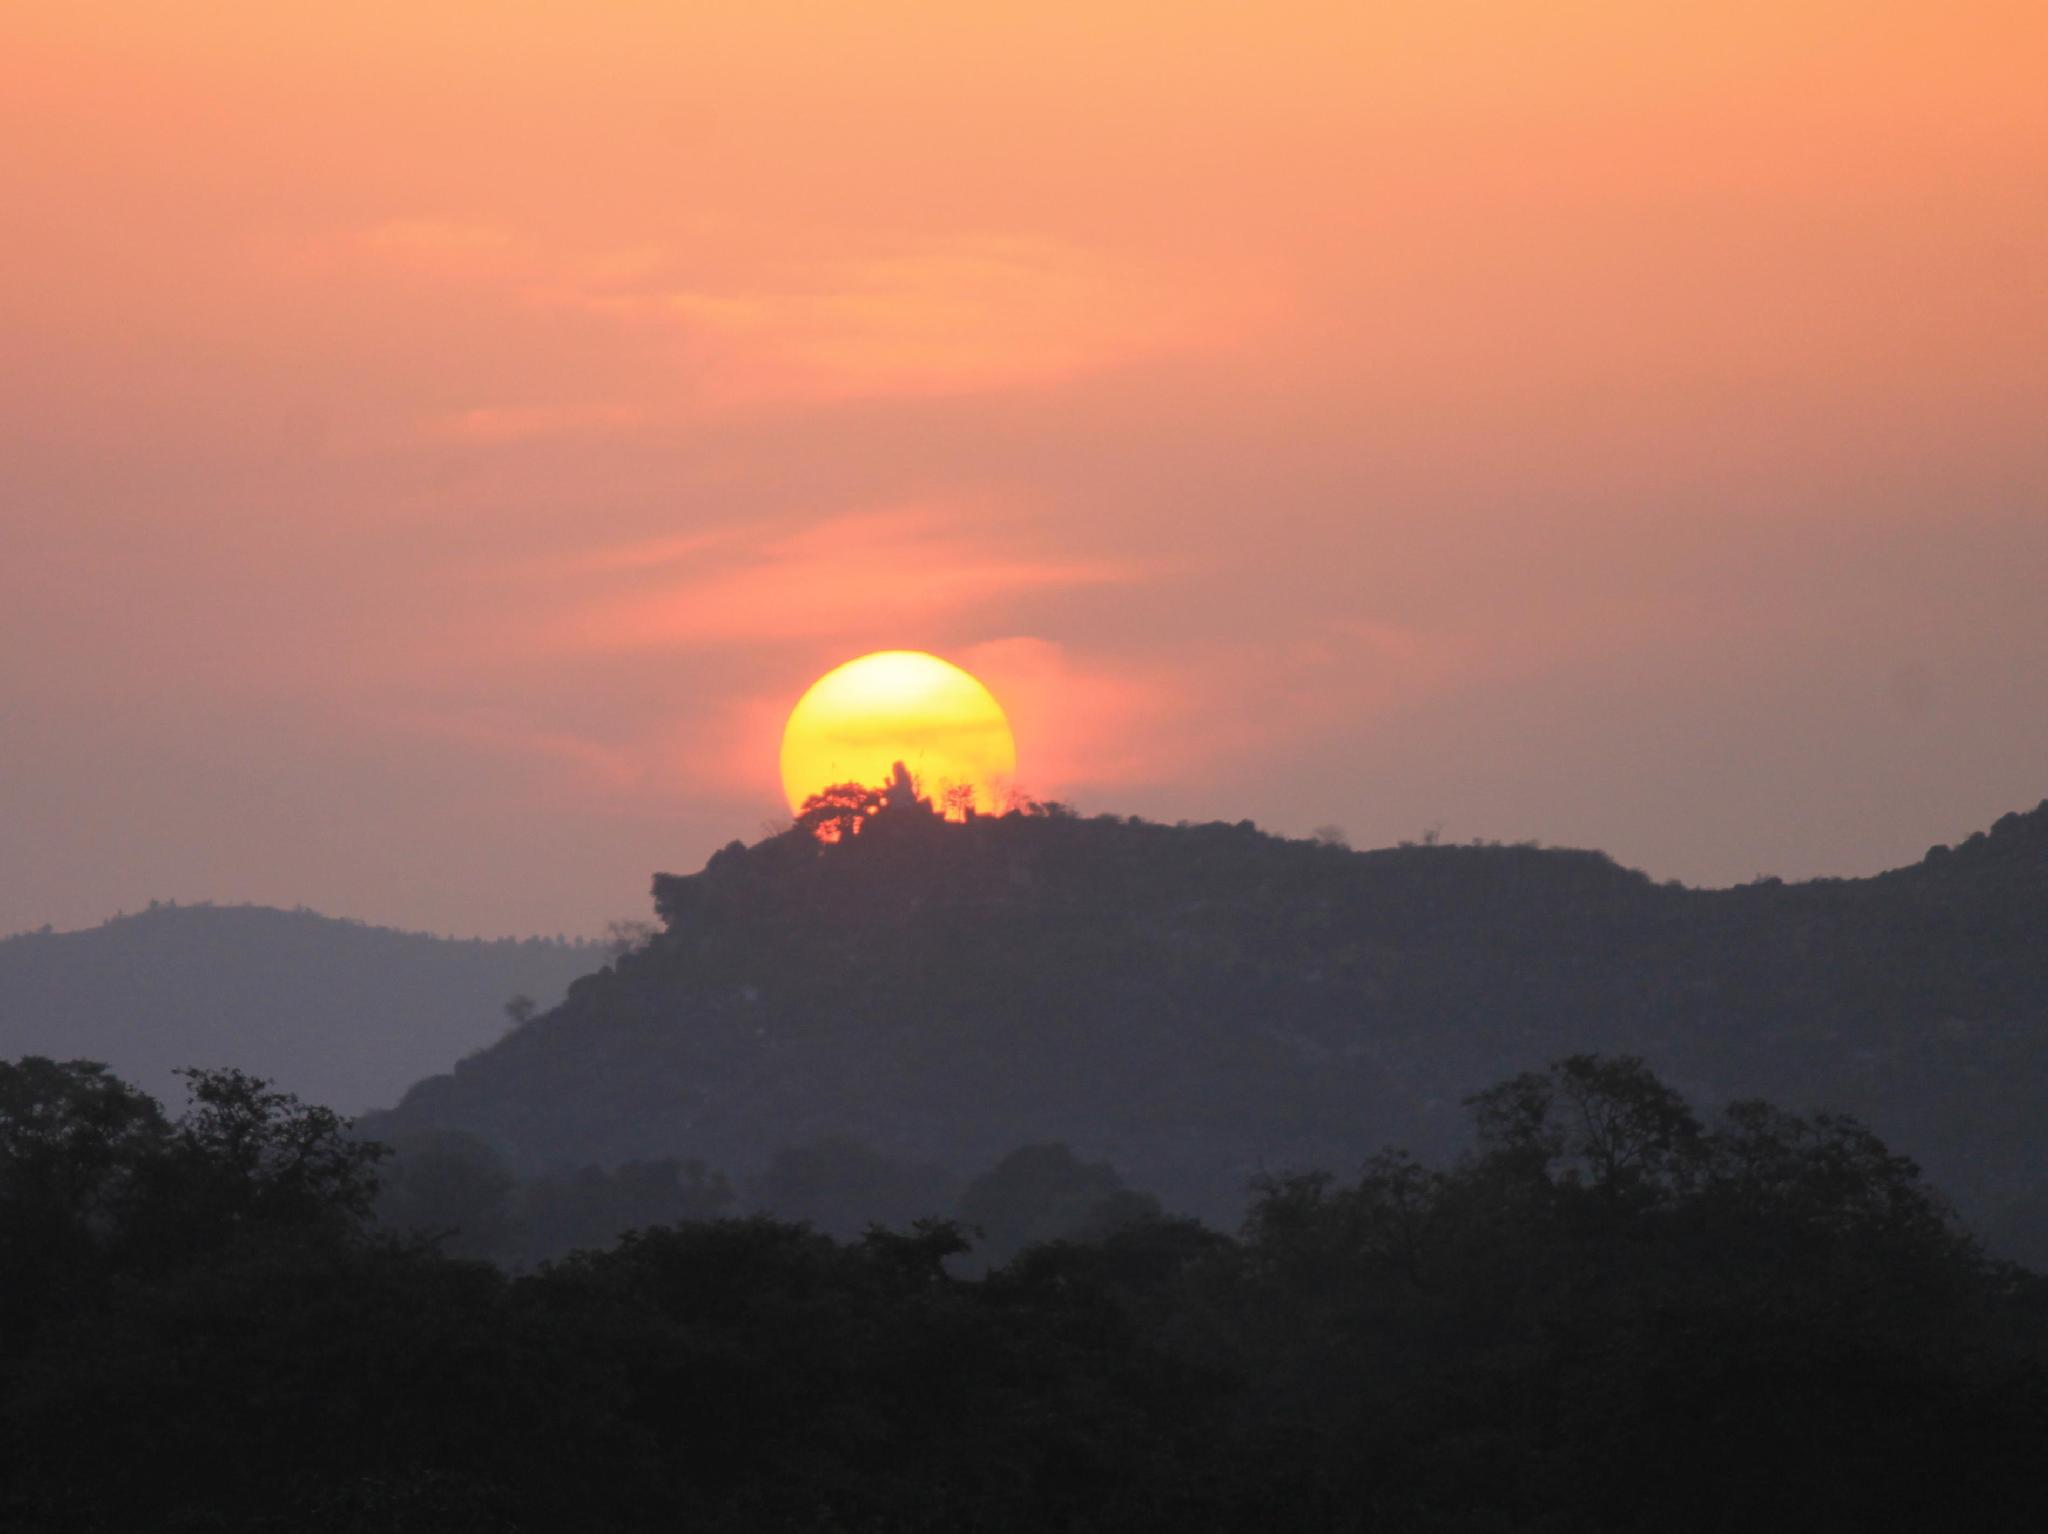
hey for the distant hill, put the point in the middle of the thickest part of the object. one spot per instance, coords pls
(1199, 1003)
(343, 1014)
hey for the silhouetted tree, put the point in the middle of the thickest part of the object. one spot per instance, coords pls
(1044, 1193)
(1607, 1124)
(1612, 1314)
(450, 1188)
(843, 1185)
(837, 813)
(244, 1157)
(73, 1139)
(624, 937)
(592, 1208)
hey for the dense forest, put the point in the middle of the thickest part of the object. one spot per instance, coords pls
(336, 1011)
(1199, 1005)
(1613, 1313)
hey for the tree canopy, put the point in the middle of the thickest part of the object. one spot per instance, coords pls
(1613, 1313)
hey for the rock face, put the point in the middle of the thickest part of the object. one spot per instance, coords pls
(1199, 1004)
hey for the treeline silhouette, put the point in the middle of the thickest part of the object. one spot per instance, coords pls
(1197, 1003)
(1611, 1314)
(453, 1189)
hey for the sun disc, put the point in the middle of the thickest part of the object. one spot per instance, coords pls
(858, 720)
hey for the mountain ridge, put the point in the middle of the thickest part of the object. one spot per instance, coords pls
(1201, 1003)
(339, 1011)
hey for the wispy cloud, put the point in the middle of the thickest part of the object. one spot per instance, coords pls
(612, 767)
(907, 318)
(906, 569)
(518, 423)
(962, 317)
(448, 248)
(652, 558)
(1085, 720)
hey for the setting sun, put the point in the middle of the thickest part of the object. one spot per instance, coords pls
(859, 720)
(900, 705)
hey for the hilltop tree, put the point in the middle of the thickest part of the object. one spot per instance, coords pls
(837, 813)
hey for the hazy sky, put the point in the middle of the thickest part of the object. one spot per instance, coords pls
(439, 441)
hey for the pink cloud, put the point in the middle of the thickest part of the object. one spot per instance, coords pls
(1083, 721)
(585, 762)
(908, 318)
(961, 317)
(445, 248)
(901, 570)
(497, 424)
(1092, 722)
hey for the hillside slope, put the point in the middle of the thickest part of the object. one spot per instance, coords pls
(1200, 1003)
(341, 1013)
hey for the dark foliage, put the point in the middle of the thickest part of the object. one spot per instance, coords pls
(453, 1190)
(841, 1186)
(1611, 1315)
(1043, 1193)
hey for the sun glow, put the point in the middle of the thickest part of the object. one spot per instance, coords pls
(859, 720)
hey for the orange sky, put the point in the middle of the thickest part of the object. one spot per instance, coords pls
(440, 440)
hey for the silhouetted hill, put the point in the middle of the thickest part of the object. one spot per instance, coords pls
(1199, 1003)
(335, 1011)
